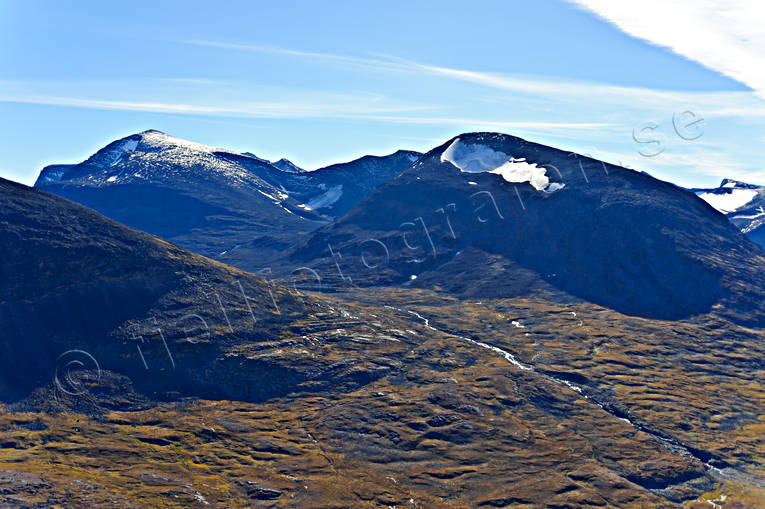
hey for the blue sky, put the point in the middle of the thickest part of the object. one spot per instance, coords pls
(322, 82)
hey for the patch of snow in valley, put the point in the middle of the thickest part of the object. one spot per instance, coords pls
(476, 158)
(729, 202)
(325, 200)
(506, 355)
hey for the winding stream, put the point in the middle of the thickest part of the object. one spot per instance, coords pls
(667, 441)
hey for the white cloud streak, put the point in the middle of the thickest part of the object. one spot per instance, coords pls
(727, 103)
(320, 107)
(725, 35)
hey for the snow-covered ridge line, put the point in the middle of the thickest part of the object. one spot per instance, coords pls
(158, 139)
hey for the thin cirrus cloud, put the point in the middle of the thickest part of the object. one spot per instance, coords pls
(309, 104)
(724, 35)
(584, 105)
(297, 110)
(319, 106)
(724, 103)
(347, 60)
(491, 124)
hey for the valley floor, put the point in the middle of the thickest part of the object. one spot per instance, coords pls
(523, 402)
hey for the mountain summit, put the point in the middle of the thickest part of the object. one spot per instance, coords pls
(742, 203)
(235, 207)
(603, 233)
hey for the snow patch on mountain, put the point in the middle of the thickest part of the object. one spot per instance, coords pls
(760, 213)
(169, 157)
(477, 158)
(326, 199)
(126, 145)
(53, 173)
(162, 141)
(729, 202)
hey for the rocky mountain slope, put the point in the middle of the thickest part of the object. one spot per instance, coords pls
(75, 280)
(235, 207)
(599, 232)
(170, 321)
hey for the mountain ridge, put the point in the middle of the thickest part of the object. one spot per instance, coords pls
(742, 203)
(235, 207)
(599, 219)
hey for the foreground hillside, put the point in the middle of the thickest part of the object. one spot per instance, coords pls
(307, 401)
(563, 422)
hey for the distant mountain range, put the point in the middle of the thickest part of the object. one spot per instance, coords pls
(596, 231)
(234, 207)
(283, 164)
(743, 204)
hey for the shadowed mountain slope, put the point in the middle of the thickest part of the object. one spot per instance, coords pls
(603, 233)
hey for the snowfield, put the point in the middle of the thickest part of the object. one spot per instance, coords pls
(729, 202)
(476, 158)
(326, 199)
(124, 147)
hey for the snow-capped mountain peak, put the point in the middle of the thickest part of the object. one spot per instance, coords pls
(736, 184)
(282, 164)
(156, 156)
(171, 187)
(743, 203)
(163, 141)
(479, 158)
(731, 196)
